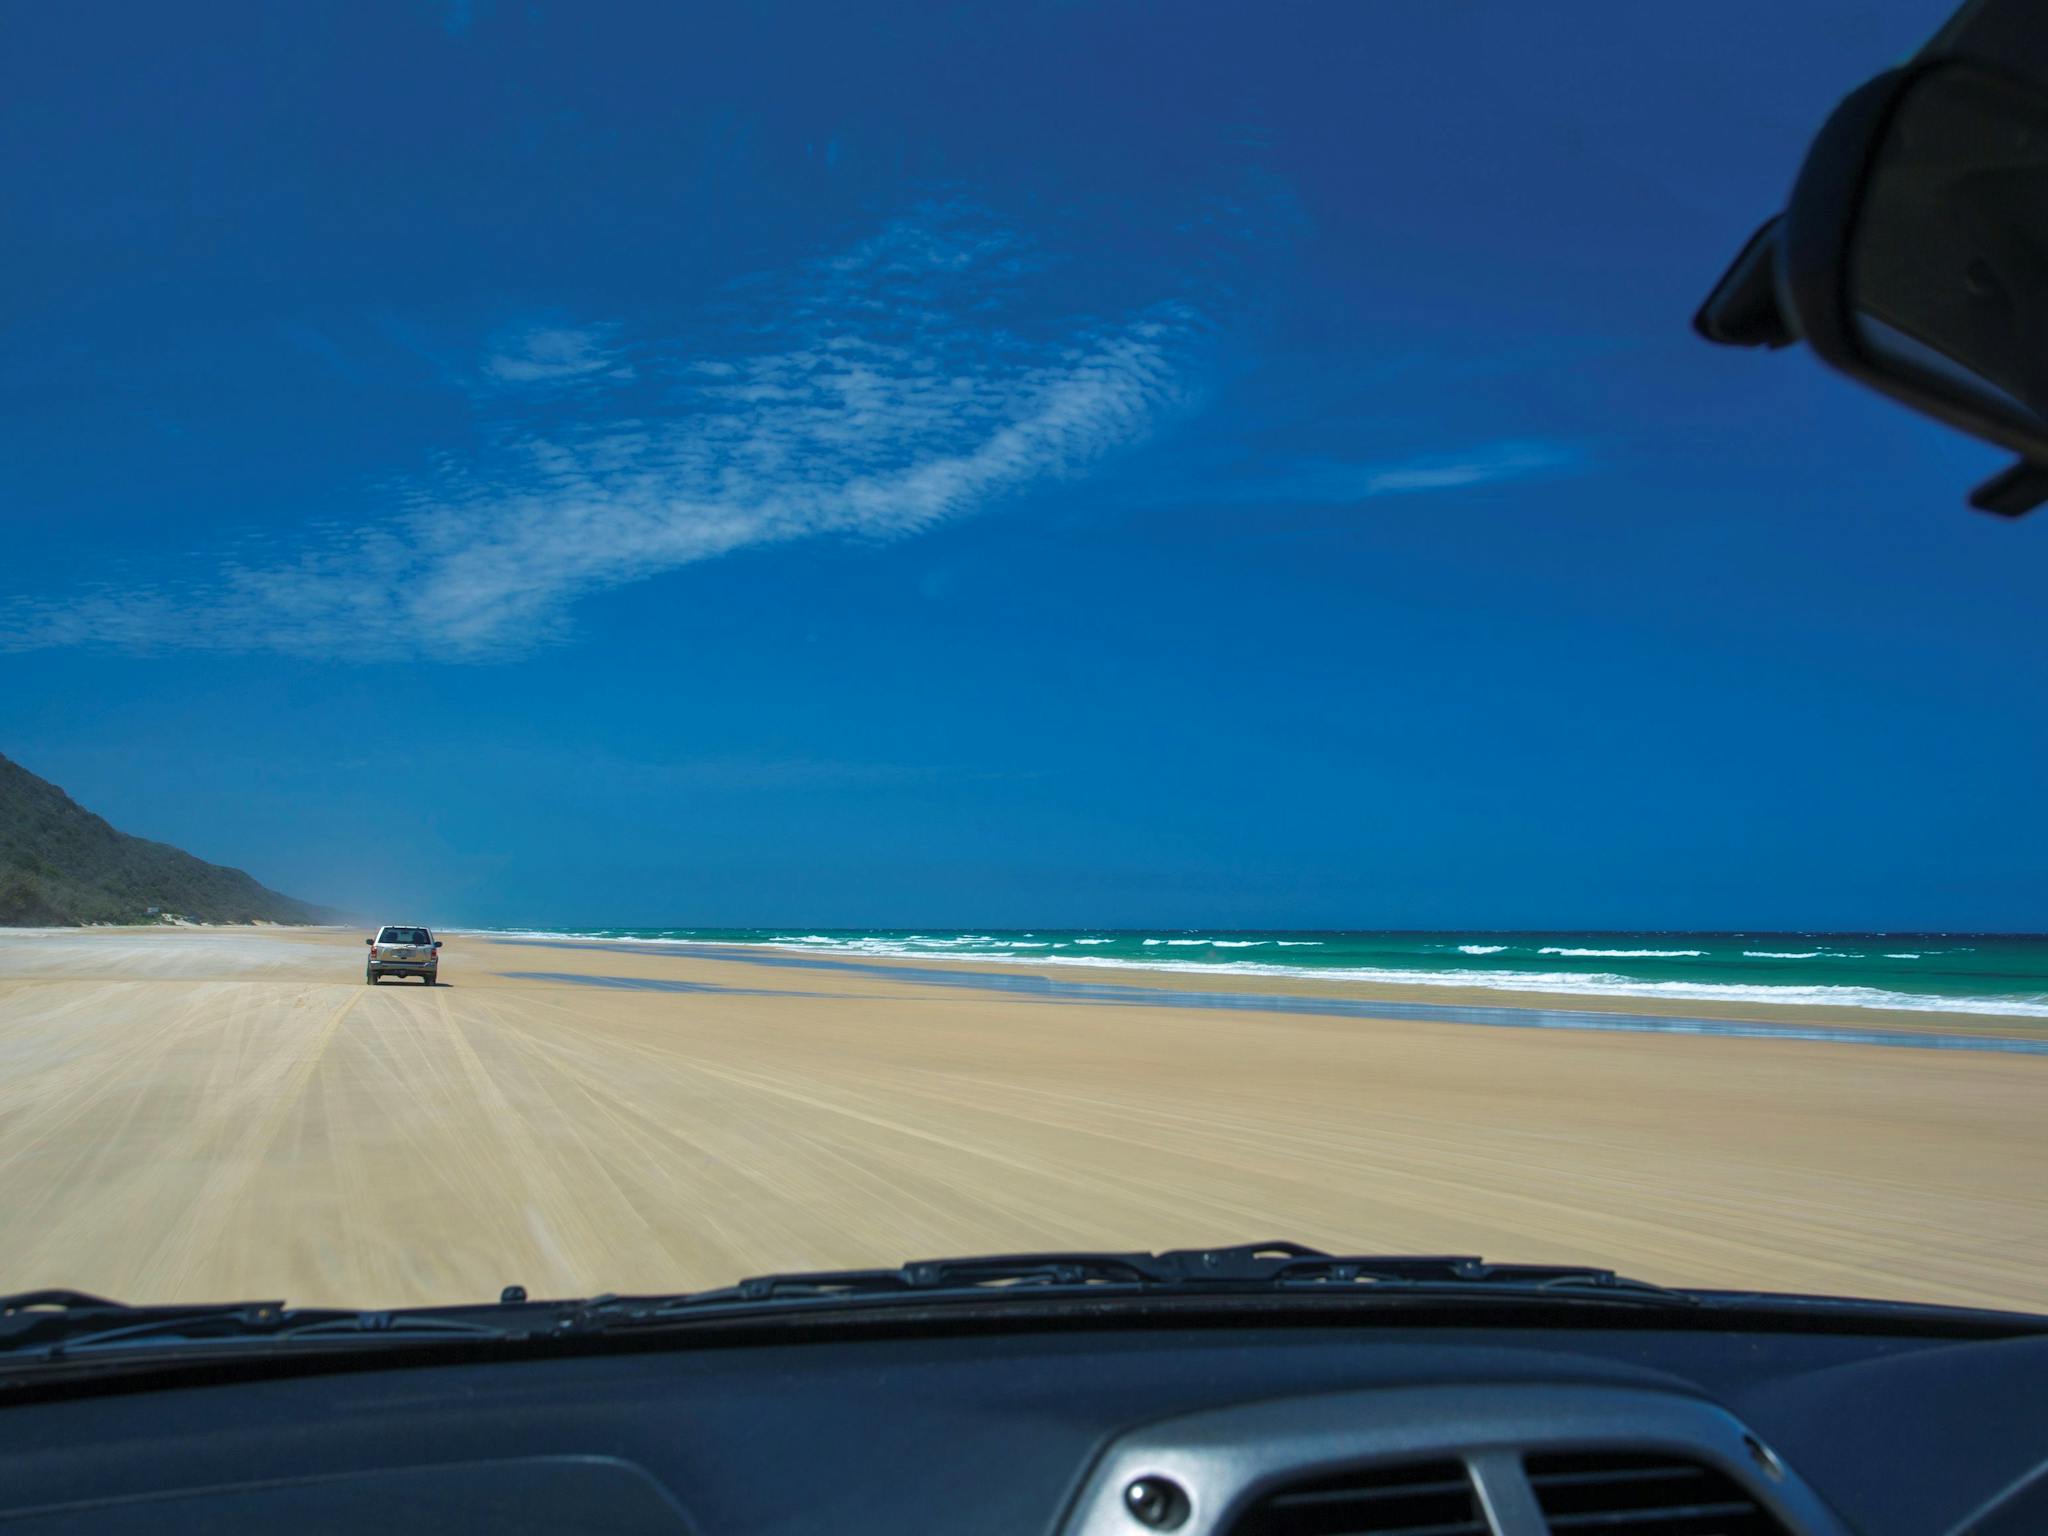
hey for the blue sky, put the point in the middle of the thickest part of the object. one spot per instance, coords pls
(1093, 464)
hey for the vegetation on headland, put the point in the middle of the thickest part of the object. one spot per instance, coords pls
(62, 866)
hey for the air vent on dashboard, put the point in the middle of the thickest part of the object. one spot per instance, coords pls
(1422, 1499)
(1607, 1493)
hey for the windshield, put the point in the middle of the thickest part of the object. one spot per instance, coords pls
(987, 629)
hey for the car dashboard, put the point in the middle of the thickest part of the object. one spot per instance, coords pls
(1245, 1430)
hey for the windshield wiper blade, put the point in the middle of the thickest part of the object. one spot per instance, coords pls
(1007, 1271)
(51, 1324)
(1272, 1268)
(57, 1317)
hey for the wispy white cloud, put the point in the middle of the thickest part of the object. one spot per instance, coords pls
(550, 354)
(1338, 482)
(873, 392)
(1471, 466)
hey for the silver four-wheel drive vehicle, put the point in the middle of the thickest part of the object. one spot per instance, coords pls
(403, 951)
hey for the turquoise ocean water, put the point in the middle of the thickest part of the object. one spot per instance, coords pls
(1956, 972)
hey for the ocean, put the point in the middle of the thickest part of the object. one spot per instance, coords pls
(1946, 972)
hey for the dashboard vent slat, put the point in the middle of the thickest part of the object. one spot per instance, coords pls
(1357, 1494)
(1424, 1499)
(1627, 1494)
(1613, 1474)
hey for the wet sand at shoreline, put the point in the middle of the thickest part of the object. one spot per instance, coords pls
(1307, 992)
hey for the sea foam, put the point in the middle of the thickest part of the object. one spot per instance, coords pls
(1622, 954)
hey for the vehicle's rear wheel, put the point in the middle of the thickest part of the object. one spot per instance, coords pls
(432, 978)
(372, 977)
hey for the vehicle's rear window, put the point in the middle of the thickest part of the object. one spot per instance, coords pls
(403, 936)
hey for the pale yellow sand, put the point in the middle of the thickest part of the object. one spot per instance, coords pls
(205, 1114)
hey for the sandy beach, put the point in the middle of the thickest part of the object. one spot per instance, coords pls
(215, 1113)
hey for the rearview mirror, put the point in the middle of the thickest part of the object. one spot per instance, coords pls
(1913, 257)
(371, 942)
